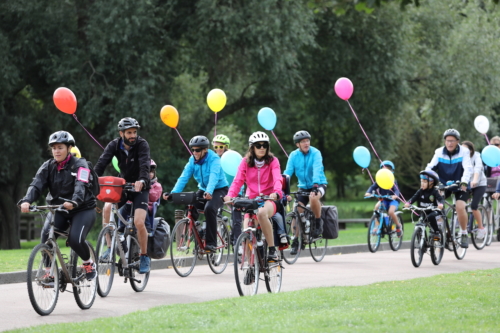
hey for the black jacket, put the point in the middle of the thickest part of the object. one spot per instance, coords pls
(62, 184)
(426, 198)
(133, 167)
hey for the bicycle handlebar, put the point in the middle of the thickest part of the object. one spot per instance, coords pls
(261, 197)
(379, 196)
(433, 208)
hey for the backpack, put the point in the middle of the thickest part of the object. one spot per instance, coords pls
(329, 215)
(159, 239)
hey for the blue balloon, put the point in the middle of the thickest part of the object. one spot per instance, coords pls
(267, 118)
(230, 161)
(362, 156)
(491, 156)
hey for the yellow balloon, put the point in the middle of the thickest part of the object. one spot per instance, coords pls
(385, 179)
(216, 100)
(170, 116)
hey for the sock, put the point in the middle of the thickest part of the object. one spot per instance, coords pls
(144, 254)
(318, 221)
(464, 232)
(272, 249)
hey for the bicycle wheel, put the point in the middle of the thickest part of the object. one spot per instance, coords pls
(490, 226)
(218, 260)
(373, 234)
(456, 236)
(43, 289)
(84, 290)
(437, 249)
(183, 248)
(479, 244)
(106, 262)
(138, 281)
(417, 243)
(395, 241)
(247, 271)
(317, 247)
(273, 275)
(292, 226)
(448, 239)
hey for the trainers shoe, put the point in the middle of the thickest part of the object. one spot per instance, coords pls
(283, 239)
(144, 265)
(90, 271)
(105, 255)
(210, 248)
(464, 241)
(47, 280)
(295, 247)
(436, 236)
(399, 232)
(249, 277)
(273, 257)
(481, 233)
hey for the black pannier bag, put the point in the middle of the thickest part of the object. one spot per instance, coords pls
(159, 239)
(246, 205)
(183, 198)
(329, 215)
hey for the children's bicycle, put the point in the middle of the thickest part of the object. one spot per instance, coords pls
(381, 224)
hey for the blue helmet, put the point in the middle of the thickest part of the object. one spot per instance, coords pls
(388, 163)
(430, 175)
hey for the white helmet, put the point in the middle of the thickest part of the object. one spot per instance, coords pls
(258, 137)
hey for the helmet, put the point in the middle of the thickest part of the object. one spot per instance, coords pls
(300, 135)
(258, 137)
(61, 137)
(153, 164)
(451, 132)
(199, 141)
(426, 174)
(126, 123)
(388, 163)
(221, 138)
(76, 151)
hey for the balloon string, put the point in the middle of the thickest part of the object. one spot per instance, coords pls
(355, 116)
(185, 145)
(279, 143)
(74, 116)
(369, 174)
(215, 127)
(487, 140)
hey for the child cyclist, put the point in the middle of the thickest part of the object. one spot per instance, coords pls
(390, 205)
(428, 196)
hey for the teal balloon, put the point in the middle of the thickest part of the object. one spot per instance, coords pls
(362, 156)
(230, 161)
(115, 163)
(267, 118)
(491, 156)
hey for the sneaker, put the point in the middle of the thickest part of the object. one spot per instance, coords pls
(283, 239)
(47, 280)
(481, 233)
(319, 229)
(210, 248)
(273, 257)
(295, 247)
(90, 271)
(105, 255)
(399, 232)
(436, 236)
(144, 265)
(249, 277)
(464, 241)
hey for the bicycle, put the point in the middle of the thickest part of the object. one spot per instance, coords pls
(109, 244)
(50, 271)
(490, 219)
(381, 224)
(472, 226)
(187, 244)
(423, 240)
(253, 259)
(303, 231)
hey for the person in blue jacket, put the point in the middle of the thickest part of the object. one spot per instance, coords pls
(306, 162)
(204, 165)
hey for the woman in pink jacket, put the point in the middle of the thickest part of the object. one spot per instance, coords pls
(260, 170)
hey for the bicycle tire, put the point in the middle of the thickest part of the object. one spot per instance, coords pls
(479, 244)
(246, 272)
(183, 248)
(84, 290)
(106, 265)
(289, 258)
(138, 281)
(456, 235)
(43, 296)
(273, 274)
(218, 261)
(491, 225)
(395, 241)
(317, 247)
(373, 235)
(437, 249)
(448, 242)
(416, 245)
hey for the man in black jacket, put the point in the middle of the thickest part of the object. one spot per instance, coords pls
(134, 161)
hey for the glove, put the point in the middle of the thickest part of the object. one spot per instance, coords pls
(315, 188)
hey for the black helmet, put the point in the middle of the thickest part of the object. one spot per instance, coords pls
(430, 174)
(301, 135)
(451, 132)
(199, 141)
(127, 123)
(61, 137)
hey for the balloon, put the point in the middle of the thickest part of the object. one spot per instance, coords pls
(385, 179)
(491, 156)
(362, 156)
(216, 100)
(267, 118)
(65, 100)
(482, 124)
(115, 163)
(170, 116)
(344, 88)
(230, 161)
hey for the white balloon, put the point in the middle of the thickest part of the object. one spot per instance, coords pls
(482, 124)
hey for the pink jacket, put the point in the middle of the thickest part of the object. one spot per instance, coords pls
(154, 194)
(265, 180)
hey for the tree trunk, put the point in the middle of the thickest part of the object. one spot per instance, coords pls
(10, 213)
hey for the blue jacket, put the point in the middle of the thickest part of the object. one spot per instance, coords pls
(307, 167)
(393, 191)
(452, 166)
(208, 174)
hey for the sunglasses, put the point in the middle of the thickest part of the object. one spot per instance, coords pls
(197, 150)
(496, 144)
(264, 145)
(219, 147)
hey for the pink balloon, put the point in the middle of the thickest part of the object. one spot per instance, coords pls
(344, 88)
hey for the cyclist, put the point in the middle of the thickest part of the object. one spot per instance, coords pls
(260, 170)
(205, 166)
(428, 196)
(390, 205)
(307, 164)
(70, 188)
(132, 153)
(452, 164)
(477, 186)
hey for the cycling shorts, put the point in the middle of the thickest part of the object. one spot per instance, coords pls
(305, 198)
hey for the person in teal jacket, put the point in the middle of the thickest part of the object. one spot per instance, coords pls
(306, 162)
(204, 165)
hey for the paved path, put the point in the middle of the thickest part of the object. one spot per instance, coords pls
(165, 287)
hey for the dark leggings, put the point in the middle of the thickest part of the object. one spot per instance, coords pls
(237, 218)
(432, 220)
(477, 195)
(210, 208)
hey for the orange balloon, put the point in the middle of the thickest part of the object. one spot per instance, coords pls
(169, 116)
(65, 100)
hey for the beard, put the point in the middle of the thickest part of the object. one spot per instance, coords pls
(128, 143)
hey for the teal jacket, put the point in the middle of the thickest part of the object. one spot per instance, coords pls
(307, 167)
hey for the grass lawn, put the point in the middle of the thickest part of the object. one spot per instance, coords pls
(463, 302)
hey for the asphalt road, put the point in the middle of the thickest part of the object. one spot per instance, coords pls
(165, 287)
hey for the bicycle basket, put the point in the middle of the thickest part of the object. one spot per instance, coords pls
(245, 205)
(111, 189)
(184, 198)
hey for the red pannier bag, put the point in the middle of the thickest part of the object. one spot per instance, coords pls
(111, 189)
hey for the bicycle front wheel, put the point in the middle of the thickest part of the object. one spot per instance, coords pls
(106, 261)
(43, 282)
(293, 231)
(395, 241)
(273, 275)
(218, 260)
(246, 268)
(134, 260)
(84, 290)
(317, 247)
(479, 244)
(457, 235)
(417, 243)
(437, 249)
(374, 234)
(183, 248)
